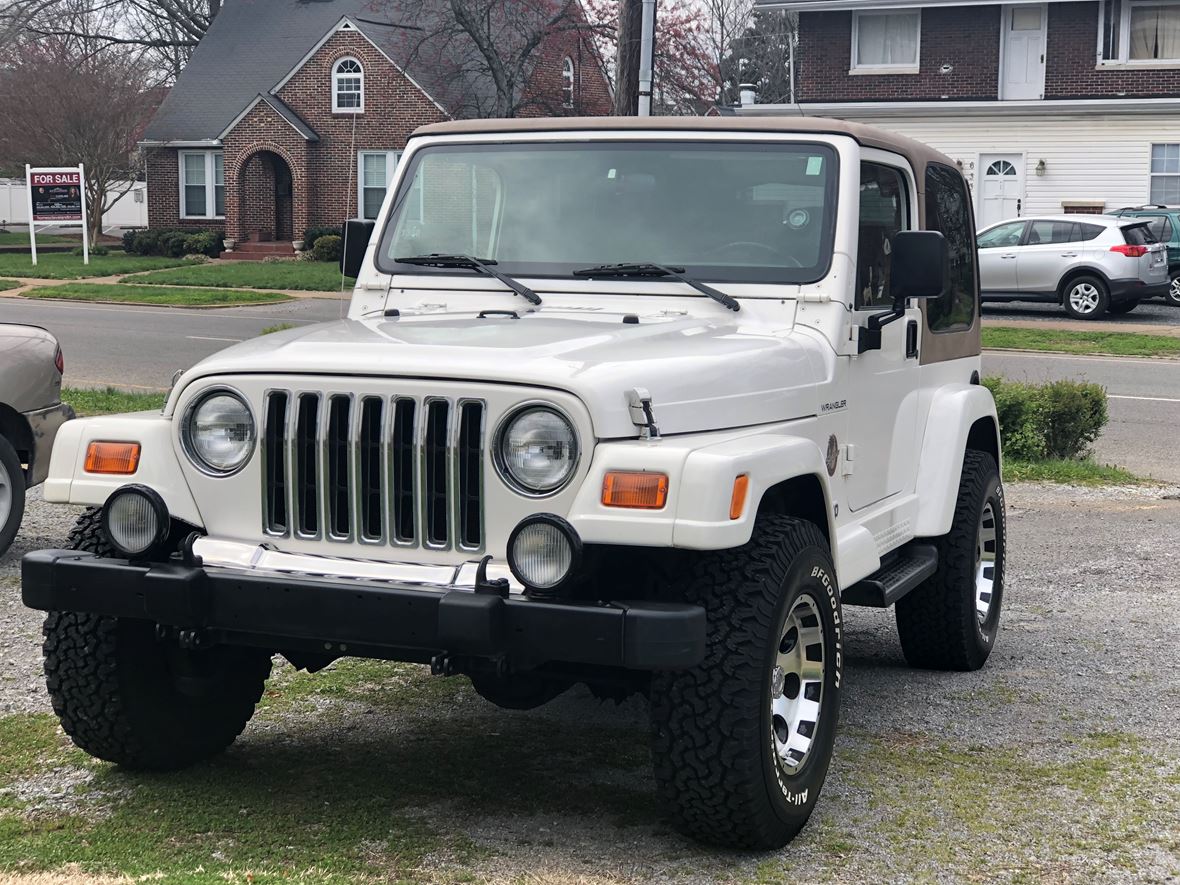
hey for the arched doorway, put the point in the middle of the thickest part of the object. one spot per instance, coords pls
(266, 203)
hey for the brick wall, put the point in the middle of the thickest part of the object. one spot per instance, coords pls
(543, 93)
(965, 37)
(1071, 69)
(163, 187)
(252, 148)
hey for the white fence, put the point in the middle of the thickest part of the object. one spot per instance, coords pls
(130, 211)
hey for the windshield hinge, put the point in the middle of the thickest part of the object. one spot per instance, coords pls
(817, 297)
(642, 413)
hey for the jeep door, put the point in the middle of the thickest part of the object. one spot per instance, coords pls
(997, 256)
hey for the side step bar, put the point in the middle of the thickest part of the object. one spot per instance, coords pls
(913, 565)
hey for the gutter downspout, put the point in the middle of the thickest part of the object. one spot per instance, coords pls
(647, 44)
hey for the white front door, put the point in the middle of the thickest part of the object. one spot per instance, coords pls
(1001, 187)
(1022, 52)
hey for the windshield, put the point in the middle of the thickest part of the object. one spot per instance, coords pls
(724, 212)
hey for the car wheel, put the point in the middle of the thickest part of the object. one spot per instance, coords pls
(1173, 296)
(1123, 307)
(742, 741)
(1086, 298)
(12, 494)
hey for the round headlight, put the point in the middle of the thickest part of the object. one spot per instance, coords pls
(135, 520)
(219, 432)
(537, 450)
(543, 551)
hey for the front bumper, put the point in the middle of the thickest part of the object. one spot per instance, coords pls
(384, 619)
(44, 423)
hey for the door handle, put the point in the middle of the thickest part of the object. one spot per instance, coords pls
(1007, 256)
(911, 340)
(1069, 254)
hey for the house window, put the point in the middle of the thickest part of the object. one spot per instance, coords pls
(1165, 174)
(374, 173)
(886, 42)
(1140, 32)
(202, 184)
(567, 83)
(348, 87)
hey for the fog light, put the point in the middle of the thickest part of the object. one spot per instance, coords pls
(544, 551)
(135, 520)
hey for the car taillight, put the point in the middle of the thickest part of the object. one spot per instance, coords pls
(59, 360)
(1129, 251)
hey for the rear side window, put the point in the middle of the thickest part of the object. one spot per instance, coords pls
(1160, 227)
(1138, 235)
(948, 211)
(1042, 233)
(1088, 231)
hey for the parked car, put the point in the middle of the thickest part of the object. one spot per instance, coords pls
(1164, 224)
(1090, 265)
(31, 411)
(643, 410)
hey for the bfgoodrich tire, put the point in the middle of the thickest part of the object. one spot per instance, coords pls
(951, 620)
(125, 696)
(12, 495)
(742, 742)
(1085, 298)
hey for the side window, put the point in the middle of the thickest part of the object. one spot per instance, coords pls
(948, 211)
(1088, 231)
(1160, 227)
(883, 209)
(1044, 233)
(1003, 237)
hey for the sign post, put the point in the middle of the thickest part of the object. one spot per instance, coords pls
(57, 195)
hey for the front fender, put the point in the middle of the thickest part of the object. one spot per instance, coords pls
(954, 409)
(69, 483)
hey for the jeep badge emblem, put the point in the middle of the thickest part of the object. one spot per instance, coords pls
(833, 454)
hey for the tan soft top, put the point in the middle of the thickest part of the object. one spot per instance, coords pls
(917, 153)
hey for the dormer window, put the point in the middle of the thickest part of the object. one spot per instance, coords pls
(348, 87)
(567, 83)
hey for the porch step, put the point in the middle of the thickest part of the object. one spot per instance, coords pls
(238, 255)
(913, 564)
(266, 248)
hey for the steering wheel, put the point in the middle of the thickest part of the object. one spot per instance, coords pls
(742, 244)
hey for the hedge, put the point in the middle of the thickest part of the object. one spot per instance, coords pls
(172, 242)
(327, 248)
(1060, 419)
(314, 233)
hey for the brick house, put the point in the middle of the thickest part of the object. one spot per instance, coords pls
(293, 113)
(1047, 107)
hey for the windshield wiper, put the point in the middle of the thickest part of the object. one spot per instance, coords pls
(484, 265)
(658, 270)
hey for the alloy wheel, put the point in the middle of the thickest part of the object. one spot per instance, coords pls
(1084, 297)
(797, 684)
(6, 493)
(985, 562)
(1174, 290)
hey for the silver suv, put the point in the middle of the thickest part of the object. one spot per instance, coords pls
(1090, 264)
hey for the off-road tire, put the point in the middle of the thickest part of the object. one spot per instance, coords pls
(1172, 296)
(124, 696)
(713, 746)
(937, 621)
(13, 477)
(1102, 292)
(1122, 307)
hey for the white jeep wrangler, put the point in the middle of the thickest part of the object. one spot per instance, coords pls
(636, 403)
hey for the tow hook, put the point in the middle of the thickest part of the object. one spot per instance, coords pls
(442, 665)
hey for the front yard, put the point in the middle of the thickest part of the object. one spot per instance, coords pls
(310, 276)
(135, 294)
(64, 266)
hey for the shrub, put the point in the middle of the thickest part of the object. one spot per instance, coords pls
(314, 233)
(172, 242)
(129, 237)
(96, 249)
(327, 248)
(206, 242)
(1058, 420)
(196, 258)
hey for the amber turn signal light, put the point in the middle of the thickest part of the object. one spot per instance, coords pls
(639, 491)
(737, 501)
(119, 458)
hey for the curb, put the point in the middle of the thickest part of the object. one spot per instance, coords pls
(1091, 354)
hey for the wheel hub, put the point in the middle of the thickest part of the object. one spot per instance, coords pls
(1084, 298)
(796, 684)
(5, 495)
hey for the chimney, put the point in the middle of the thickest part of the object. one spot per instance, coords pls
(747, 97)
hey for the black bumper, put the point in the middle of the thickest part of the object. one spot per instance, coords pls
(1136, 290)
(365, 618)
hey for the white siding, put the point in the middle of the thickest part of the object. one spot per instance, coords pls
(130, 211)
(1087, 157)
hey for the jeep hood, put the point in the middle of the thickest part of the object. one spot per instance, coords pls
(702, 374)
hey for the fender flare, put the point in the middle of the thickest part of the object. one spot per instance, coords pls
(959, 413)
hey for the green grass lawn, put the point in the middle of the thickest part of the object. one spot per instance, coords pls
(180, 297)
(311, 276)
(1114, 343)
(8, 284)
(21, 238)
(1085, 472)
(109, 401)
(64, 266)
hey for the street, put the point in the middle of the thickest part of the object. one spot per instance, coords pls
(1155, 312)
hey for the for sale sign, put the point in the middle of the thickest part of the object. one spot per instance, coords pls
(56, 196)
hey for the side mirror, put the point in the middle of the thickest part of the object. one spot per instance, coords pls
(919, 265)
(354, 235)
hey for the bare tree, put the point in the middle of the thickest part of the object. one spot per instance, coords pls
(61, 108)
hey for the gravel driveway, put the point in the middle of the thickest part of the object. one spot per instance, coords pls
(1059, 762)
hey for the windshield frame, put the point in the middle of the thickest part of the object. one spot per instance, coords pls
(748, 274)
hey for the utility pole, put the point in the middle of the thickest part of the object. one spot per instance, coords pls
(647, 48)
(627, 58)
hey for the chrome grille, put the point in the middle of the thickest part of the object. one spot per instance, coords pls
(402, 470)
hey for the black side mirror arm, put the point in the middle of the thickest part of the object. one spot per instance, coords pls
(870, 336)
